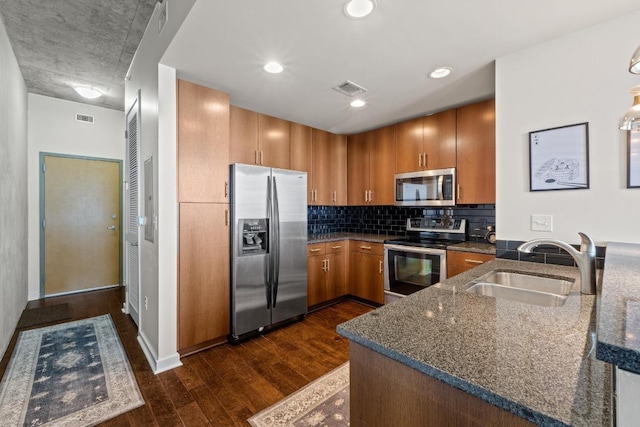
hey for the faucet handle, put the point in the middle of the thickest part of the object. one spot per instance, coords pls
(587, 244)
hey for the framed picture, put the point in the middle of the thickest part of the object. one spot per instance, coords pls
(633, 159)
(559, 158)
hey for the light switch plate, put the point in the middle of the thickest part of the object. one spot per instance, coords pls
(541, 223)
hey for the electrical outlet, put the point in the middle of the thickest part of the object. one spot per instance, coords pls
(541, 223)
(146, 303)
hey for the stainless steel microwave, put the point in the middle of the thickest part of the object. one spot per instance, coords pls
(426, 188)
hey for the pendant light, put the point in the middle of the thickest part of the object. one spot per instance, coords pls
(634, 64)
(631, 120)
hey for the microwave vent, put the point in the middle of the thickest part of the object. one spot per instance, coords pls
(349, 88)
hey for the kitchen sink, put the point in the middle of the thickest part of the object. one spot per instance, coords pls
(546, 291)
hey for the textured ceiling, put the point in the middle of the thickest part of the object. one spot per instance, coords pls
(60, 44)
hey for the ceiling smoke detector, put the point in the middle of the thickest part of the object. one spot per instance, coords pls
(349, 88)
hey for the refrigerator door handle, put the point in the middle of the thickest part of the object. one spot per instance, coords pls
(276, 251)
(267, 264)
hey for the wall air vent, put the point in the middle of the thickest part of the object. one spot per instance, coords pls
(84, 118)
(349, 88)
(163, 16)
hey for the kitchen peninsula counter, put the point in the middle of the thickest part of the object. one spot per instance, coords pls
(535, 362)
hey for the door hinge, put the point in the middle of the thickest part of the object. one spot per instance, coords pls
(44, 168)
(44, 223)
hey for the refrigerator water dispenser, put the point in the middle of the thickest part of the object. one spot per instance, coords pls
(255, 236)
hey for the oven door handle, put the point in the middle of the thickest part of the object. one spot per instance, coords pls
(415, 249)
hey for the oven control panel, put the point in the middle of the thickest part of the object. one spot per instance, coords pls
(450, 225)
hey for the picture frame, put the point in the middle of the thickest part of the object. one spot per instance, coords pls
(559, 158)
(633, 159)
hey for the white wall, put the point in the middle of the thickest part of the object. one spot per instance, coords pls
(13, 191)
(158, 274)
(581, 77)
(53, 129)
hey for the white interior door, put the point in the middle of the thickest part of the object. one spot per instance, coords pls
(132, 264)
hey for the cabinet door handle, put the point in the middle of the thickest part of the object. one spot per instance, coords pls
(420, 159)
(474, 261)
(261, 156)
(328, 265)
(370, 196)
(315, 250)
(255, 157)
(334, 196)
(315, 195)
(226, 189)
(380, 270)
(366, 196)
(424, 156)
(368, 248)
(458, 186)
(226, 217)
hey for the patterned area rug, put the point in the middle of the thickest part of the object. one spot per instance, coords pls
(71, 374)
(322, 403)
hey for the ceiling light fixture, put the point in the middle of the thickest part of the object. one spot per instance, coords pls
(634, 64)
(88, 92)
(631, 120)
(273, 68)
(359, 8)
(440, 72)
(358, 103)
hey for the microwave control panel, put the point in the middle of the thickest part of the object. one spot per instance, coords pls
(447, 224)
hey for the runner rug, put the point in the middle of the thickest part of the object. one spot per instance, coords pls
(70, 374)
(324, 402)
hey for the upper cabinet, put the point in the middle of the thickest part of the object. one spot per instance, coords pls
(371, 160)
(259, 139)
(203, 141)
(329, 169)
(426, 142)
(476, 146)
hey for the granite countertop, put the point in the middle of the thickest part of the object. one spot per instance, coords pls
(619, 320)
(332, 237)
(536, 362)
(476, 247)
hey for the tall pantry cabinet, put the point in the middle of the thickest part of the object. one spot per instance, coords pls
(203, 197)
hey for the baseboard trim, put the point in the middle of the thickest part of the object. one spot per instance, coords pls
(158, 365)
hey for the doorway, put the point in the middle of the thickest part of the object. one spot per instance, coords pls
(80, 223)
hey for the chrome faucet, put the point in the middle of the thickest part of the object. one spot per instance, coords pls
(585, 258)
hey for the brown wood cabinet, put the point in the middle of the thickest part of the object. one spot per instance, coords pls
(259, 139)
(326, 272)
(385, 392)
(203, 141)
(302, 154)
(459, 262)
(426, 142)
(476, 147)
(370, 171)
(203, 286)
(366, 270)
(329, 168)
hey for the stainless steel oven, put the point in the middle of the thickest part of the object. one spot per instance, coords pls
(409, 269)
(419, 260)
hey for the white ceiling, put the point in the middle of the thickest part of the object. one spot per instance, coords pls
(224, 44)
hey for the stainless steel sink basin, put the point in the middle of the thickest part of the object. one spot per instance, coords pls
(544, 291)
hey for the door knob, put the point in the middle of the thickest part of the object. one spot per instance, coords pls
(111, 227)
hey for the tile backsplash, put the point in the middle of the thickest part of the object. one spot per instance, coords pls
(545, 254)
(391, 219)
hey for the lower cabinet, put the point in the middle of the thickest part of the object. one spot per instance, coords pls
(203, 283)
(459, 262)
(366, 270)
(326, 272)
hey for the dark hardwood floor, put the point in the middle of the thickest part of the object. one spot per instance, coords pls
(224, 385)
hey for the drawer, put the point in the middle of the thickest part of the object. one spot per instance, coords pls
(315, 249)
(366, 247)
(468, 259)
(335, 247)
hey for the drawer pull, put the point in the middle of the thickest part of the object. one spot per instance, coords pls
(336, 247)
(474, 261)
(368, 248)
(315, 250)
(380, 270)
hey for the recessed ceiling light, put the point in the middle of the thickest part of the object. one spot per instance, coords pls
(359, 8)
(273, 67)
(358, 103)
(88, 92)
(441, 72)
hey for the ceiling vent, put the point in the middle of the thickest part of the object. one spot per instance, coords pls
(84, 118)
(349, 88)
(163, 16)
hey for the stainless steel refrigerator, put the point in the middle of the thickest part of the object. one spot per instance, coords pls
(268, 247)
